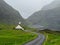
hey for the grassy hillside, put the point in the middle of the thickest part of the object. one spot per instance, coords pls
(10, 36)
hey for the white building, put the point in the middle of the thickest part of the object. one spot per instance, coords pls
(19, 27)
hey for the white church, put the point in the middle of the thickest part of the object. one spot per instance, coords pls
(18, 27)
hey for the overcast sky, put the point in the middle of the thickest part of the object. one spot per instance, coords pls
(27, 7)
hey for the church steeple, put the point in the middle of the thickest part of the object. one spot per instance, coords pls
(19, 23)
(19, 27)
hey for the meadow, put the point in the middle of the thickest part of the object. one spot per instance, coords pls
(10, 36)
(52, 38)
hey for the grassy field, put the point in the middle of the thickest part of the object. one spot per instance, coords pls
(14, 37)
(52, 38)
(9, 36)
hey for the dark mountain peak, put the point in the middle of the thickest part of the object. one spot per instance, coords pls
(8, 14)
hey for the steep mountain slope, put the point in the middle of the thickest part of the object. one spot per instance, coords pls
(8, 15)
(54, 4)
(49, 16)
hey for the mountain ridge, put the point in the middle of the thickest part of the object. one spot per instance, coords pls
(49, 18)
(8, 14)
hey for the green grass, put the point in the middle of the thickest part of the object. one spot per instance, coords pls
(52, 38)
(10, 36)
(14, 37)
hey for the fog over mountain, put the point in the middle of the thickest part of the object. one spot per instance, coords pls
(54, 4)
(9, 15)
(49, 16)
(27, 7)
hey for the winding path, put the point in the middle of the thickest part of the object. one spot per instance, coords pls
(38, 41)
